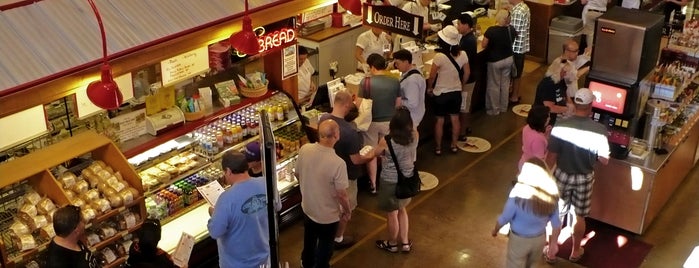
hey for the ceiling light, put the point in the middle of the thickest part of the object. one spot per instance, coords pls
(104, 93)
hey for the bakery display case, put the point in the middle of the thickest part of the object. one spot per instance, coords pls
(170, 172)
(87, 171)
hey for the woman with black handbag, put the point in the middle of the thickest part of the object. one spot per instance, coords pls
(402, 138)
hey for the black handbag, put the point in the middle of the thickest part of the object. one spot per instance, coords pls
(406, 187)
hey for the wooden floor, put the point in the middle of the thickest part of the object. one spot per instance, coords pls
(450, 225)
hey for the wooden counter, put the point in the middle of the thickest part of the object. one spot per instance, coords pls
(630, 193)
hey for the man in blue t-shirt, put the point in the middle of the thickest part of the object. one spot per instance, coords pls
(239, 220)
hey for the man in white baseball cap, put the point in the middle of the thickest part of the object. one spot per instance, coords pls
(584, 96)
(575, 145)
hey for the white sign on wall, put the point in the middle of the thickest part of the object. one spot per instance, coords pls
(25, 125)
(184, 66)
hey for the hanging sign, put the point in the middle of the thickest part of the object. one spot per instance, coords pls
(184, 66)
(392, 19)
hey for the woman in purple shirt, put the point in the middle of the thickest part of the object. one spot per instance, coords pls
(533, 203)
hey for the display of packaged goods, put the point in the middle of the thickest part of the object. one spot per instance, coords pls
(107, 256)
(81, 170)
(92, 238)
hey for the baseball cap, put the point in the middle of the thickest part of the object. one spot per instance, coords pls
(252, 151)
(450, 35)
(584, 96)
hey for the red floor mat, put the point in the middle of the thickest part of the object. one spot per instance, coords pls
(608, 246)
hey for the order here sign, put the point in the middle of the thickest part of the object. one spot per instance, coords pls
(392, 19)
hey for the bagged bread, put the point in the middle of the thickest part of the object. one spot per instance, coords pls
(88, 213)
(49, 215)
(101, 205)
(104, 174)
(67, 179)
(70, 194)
(115, 200)
(25, 242)
(19, 228)
(90, 195)
(47, 232)
(92, 239)
(29, 209)
(80, 187)
(37, 222)
(32, 197)
(45, 205)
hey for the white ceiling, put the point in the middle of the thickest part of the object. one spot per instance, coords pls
(52, 36)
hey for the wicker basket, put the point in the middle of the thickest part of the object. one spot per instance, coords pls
(254, 92)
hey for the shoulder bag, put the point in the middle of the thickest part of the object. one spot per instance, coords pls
(406, 187)
(364, 106)
(513, 68)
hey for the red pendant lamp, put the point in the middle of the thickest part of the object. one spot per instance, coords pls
(104, 93)
(245, 41)
(354, 6)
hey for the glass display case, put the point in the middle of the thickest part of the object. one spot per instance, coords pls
(171, 171)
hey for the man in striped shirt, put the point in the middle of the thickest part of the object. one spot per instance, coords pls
(519, 19)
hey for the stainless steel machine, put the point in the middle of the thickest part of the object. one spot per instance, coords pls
(625, 50)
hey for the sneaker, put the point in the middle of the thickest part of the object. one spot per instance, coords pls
(347, 241)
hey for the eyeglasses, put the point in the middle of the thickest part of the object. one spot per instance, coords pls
(571, 50)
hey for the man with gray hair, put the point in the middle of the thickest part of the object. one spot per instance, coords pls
(324, 190)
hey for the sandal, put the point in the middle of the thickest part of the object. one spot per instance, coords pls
(372, 189)
(406, 247)
(454, 149)
(546, 256)
(577, 258)
(437, 151)
(384, 244)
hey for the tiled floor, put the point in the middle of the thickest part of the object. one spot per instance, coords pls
(450, 225)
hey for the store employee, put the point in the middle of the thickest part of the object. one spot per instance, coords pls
(306, 86)
(370, 42)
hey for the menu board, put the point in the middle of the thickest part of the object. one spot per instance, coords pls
(185, 65)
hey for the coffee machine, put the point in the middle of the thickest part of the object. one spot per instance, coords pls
(626, 45)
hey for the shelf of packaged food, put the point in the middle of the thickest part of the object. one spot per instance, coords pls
(146, 142)
(188, 173)
(112, 239)
(162, 152)
(116, 263)
(293, 118)
(114, 212)
(682, 134)
(24, 256)
(183, 211)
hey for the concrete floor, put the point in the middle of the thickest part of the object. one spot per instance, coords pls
(450, 225)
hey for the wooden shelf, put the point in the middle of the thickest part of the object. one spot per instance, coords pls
(117, 262)
(114, 212)
(147, 142)
(102, 244)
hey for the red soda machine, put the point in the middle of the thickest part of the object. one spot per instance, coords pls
(626, 46)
